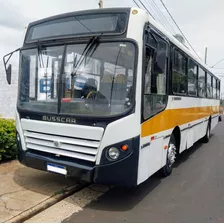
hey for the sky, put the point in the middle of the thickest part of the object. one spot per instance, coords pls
(200, 20)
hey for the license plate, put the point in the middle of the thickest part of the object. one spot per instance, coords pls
(56, 169)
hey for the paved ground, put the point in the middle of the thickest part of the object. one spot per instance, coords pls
(23, 189)
(74, 203)
(193, 193)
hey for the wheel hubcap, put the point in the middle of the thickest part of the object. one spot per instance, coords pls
(171, 154)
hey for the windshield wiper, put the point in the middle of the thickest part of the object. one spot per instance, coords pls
(77, 64)
(40, 55)
(94, 41)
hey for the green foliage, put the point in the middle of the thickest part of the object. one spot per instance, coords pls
(8, 147)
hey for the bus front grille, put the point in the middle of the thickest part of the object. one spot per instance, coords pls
(83, 149)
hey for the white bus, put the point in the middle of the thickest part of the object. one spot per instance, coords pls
(108, 96)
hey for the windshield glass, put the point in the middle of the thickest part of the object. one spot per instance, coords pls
(77, 25)
(99, 83)
(39, 79)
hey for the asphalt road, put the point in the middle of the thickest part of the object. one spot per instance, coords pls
(193, 193)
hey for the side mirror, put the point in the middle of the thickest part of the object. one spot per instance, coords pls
(8, 69)
(9, 74)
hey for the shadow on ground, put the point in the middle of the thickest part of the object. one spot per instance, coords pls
(41, 182)
(123, 199)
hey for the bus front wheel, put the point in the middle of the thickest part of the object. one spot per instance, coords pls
(171, 157)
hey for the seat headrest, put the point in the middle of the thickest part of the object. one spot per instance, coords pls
(120, 78)
(106, 78)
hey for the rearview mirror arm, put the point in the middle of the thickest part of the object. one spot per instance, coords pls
(10, 55)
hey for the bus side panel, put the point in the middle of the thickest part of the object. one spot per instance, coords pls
(215, 121)
(191, 132)
(191, 137)
(144, 160)
(200, 130)
(20, 131)
(150, 157)
(153, 154)
(183, 139)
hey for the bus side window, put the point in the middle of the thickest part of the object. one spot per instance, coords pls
(192, 78)
(214, 88)
(155, 79)
(201, 83)
(209, 86)
(179, 73)
(218, 90)
(149, 57)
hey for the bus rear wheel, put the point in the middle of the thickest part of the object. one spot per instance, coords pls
(171, 157)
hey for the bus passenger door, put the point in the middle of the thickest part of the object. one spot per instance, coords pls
(154, 102)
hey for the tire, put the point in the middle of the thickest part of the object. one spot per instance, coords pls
(206, 138)
(172, 148)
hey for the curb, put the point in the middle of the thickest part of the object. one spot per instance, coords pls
(72, 205)
(29, 213)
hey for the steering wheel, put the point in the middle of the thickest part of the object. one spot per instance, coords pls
(90, 93)
(94, 97)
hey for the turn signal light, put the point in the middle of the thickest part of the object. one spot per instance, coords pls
(124, 147)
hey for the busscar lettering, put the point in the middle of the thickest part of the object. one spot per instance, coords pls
(59, 119)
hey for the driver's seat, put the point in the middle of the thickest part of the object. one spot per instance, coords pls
(89, 86)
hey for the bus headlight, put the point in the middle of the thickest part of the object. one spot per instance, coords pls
(114, 153)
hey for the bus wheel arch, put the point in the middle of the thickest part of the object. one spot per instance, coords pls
(172, 151)
(177, 134)
(207, 136)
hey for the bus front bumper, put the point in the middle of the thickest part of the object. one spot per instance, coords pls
(122, 173)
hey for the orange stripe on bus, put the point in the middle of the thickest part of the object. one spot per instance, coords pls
(175, 117)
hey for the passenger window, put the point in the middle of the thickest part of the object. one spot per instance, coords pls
(214, 88)
(201, 83)
(192, 79)
(218, 89)
(149, 58)
(209, 86)
(179, 74)
(155, 79)
(151, 40)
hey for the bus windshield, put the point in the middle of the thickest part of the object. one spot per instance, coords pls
(78, 25)
(62, 80)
